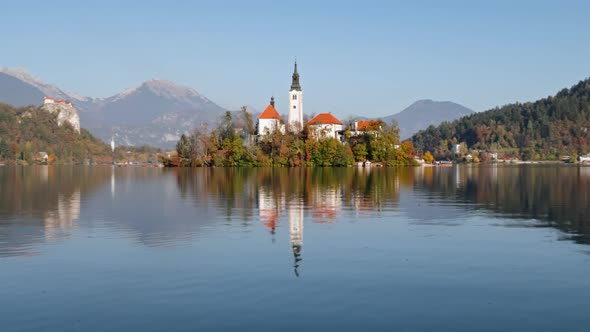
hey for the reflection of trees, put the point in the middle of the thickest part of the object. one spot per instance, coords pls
(44, 196)
(555, 194)
(323, 191)
(290, 192)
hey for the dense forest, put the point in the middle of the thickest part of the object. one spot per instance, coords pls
(231, 145)
(547, 129)
(26, 131)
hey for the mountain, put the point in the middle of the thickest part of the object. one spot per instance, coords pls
(156, 100)
(155, 112)
(19, 88)
(18, 93)
(424, 113)
(545, 129)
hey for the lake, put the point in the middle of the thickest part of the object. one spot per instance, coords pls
(482, 248)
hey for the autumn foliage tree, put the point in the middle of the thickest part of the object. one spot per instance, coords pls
(428, 158)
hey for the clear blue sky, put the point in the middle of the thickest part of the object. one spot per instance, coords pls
(356, 57)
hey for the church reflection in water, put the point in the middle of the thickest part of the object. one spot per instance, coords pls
(296, 233)
(271, 207)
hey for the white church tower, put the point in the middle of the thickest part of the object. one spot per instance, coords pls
(296, 103)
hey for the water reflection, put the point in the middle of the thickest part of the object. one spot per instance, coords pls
(40, 203)
(556, 196)
(64, 216)
(168, 207)
(296, 233)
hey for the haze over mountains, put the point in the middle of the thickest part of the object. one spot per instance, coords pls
(157, 112)
(424, 113)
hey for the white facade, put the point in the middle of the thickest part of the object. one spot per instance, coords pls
(326, 130)
(584, 158)
(296, 109)
(268, 126)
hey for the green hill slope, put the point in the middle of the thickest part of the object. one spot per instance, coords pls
(546, 129)
(28, 130)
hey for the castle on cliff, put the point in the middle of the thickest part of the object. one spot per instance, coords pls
(48, 100)
(65, 111)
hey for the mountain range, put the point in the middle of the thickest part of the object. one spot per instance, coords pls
(157, 112)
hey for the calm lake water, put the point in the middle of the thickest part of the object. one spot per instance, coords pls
(489, 248)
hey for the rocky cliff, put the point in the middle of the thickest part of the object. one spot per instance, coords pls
(65, 112)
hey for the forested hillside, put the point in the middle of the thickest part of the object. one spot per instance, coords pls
(542, 130)
(26, 131)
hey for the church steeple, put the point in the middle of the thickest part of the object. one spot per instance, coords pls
(295, 123)
(295, 83)
(272, 101)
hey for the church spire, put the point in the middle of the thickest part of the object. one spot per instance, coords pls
(295, 83)
(272, 101)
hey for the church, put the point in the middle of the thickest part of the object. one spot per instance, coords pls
(323, 125)
(270, 120)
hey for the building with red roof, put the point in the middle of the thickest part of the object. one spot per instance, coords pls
(363, 127)
(325, 125)
(367, 125)
(48, 100)
(269, 120)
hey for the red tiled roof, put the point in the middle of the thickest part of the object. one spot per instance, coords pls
(367, 125)
(324, 118)
(57, 101)
(270, 113)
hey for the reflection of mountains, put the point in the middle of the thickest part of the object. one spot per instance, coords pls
(557, 195)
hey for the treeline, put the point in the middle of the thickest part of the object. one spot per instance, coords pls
(26, 131)
(229, 147)
(543, 130)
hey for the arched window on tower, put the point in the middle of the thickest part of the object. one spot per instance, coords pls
(294, 97)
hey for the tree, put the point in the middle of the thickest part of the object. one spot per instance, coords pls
(359, 151)
(5, 152)
(248, 120)
(183, 147)
(428, 158)
(226, 127)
